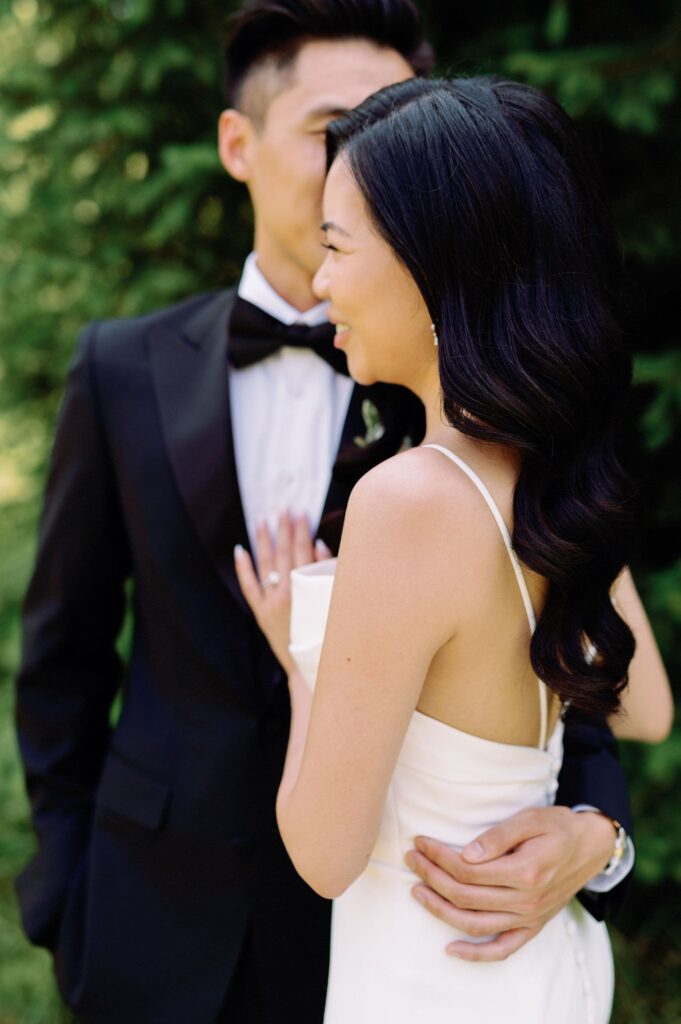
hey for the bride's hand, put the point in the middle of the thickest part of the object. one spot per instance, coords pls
(268, 591)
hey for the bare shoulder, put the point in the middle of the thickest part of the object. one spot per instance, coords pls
(420, 485)
(411, 536)
(418, 506)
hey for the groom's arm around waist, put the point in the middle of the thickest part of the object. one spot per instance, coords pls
(70, 670)
(592, 775)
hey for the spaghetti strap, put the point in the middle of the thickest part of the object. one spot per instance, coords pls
(524, 591)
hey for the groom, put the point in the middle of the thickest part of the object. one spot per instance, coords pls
(160, 882)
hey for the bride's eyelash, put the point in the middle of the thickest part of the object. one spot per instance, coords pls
(327, 245)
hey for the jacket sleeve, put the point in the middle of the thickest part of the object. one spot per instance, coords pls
(592, 774)
(70, 670)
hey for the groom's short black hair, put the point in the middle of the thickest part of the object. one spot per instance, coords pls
(271, 32)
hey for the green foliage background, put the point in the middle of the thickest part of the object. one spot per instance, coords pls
(112, 202)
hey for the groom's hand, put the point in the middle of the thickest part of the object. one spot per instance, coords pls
(512, 879)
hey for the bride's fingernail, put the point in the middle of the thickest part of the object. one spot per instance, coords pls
(238, 550)
(473, 851)
(419, 896)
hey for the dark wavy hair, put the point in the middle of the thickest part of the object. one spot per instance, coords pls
(264, 29)
(483, 191)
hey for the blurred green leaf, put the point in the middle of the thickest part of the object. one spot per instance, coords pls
(557, 22)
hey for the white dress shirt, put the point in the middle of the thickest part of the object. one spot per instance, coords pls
(288, 413)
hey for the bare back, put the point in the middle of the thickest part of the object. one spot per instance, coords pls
(482, 681)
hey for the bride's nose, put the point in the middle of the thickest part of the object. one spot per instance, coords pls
(320, 283)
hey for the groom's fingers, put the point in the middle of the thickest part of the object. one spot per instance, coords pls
(477, 924)
(498, 949)
(461, 895)
(452, 863)
(505, 836)
(531, 868)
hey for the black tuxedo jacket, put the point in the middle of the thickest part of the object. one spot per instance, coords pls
(158, 853)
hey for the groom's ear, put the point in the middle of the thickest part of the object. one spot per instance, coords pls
(236, 144)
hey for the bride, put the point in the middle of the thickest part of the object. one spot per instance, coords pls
(480, 579)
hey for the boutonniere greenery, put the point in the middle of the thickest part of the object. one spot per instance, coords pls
(375, 429)
(372, 422)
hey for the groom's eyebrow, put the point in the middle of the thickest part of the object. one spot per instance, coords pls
(329, 225)
(327, 110)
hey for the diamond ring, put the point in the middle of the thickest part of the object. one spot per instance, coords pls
(273, 579)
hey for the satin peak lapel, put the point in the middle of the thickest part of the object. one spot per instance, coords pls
(341, 484)
(190, 370)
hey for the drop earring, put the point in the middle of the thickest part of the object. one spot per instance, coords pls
(436, 340)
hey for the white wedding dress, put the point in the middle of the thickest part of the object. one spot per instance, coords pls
(388, 964)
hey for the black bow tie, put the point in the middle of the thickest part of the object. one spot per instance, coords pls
(253, 335)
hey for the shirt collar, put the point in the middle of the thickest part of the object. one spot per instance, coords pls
(254, 288)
